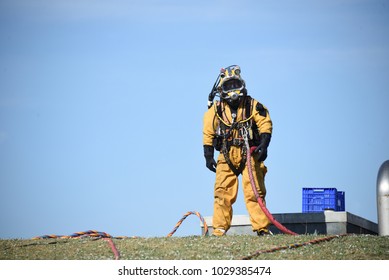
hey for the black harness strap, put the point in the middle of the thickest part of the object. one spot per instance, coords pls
(242, 164)
(226, 145)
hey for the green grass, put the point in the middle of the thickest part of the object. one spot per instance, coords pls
(351, 247)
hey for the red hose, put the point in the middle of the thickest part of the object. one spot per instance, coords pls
(113, 248)
(259, 199)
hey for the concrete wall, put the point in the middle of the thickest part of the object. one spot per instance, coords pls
(327, 222)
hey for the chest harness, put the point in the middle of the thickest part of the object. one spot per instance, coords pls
(230, 132)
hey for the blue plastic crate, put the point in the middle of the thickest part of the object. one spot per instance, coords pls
(340, 201)
(320, 199)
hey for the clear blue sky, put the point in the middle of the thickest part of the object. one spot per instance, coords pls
(101, 107)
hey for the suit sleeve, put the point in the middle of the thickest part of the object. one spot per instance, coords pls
(208, 126)
(262, 118)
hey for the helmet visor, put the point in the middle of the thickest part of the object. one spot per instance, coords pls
(232, 84)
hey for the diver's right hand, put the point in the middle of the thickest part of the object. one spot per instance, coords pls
(210, 161)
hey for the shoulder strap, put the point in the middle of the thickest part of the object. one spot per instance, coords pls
(248, 106)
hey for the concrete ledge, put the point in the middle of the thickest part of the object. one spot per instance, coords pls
(327, 222)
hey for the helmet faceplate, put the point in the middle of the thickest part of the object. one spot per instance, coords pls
(231, 85)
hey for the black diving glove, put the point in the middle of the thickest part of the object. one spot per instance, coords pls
(210, 161)
(264, 140)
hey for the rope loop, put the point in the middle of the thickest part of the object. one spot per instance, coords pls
(184, 217)
(107, 237)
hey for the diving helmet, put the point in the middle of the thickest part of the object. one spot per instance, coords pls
(231, 86)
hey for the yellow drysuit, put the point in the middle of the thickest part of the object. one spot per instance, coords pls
(226, 183)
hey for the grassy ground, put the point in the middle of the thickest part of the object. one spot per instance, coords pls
(352, 247)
